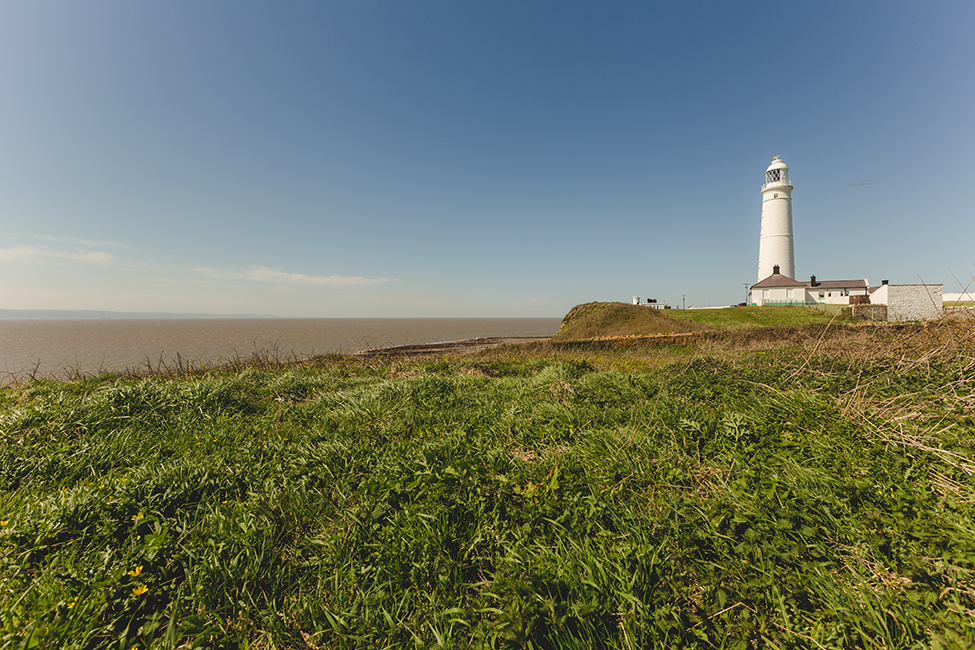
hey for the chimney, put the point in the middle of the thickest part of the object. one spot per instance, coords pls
(883, 282)
(812, 281)
(775, 270)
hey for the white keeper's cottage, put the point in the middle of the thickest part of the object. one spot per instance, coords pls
(778, 289)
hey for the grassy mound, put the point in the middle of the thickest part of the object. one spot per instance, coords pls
(619, 319)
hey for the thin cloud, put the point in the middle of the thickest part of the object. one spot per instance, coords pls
(277, 276)
(42, 253)
(97, 243)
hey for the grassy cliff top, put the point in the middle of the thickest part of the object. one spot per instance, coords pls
(738, 317)
(619, 319)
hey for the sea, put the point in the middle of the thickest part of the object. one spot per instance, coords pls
(61, 348)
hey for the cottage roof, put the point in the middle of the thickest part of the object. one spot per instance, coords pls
(838, 284)
(777, 280)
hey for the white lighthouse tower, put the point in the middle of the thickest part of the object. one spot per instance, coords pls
(775, 248)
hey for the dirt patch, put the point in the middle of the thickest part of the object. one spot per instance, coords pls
(468, 346)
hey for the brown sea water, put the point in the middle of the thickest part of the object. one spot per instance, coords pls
(60, 348)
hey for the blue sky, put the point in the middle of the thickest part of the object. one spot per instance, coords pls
(356, 159)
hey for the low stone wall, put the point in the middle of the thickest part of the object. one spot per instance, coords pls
(869, 312)
(960, 313)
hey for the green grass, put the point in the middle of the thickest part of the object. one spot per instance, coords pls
(739, 317)
(618, 319)
(792, 494)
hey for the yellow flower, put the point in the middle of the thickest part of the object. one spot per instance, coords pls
(141, 589)
(71, 604)
(136, 571)
(138, 516)
(4, 522)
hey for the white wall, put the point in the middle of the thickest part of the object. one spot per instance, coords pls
(834, 296)
(907, 302)
(779, 295)
(879, 296)
(775, 244)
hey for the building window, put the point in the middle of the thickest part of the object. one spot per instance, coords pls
(790, 294)
(775, 196)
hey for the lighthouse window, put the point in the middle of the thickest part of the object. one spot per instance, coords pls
(773, 175)
(775, 196)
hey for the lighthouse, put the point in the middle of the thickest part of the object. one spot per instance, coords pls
(775, 247)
